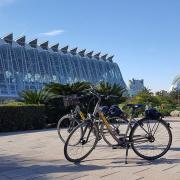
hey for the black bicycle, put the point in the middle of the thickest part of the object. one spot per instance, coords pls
(149, 138)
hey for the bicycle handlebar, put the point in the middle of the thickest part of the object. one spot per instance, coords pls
(94, 92)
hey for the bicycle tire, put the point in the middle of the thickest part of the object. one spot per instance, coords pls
(140, 123)
(94, 131)
(60, 124)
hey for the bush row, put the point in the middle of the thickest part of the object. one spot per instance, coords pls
(22, 117)
(19, 116)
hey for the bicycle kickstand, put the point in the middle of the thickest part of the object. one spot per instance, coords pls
(127, 148)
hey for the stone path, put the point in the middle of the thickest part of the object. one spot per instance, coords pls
(39, 155)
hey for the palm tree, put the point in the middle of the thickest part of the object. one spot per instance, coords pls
(66, 89)
(58, 89)
(115, 89)
(35, 97)
(108, 89)
(61, 91)
(80, 86)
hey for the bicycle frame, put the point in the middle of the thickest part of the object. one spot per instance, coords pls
(98, 111)
(103, 118)
(78, 111)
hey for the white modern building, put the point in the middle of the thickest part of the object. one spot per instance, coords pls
(135, 86)
(31, 65)
(176, 83)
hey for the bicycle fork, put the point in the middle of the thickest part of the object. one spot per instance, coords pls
(82, 140)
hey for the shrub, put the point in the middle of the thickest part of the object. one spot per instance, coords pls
(54, 110)
(21, 117)
(165, 112)
(138, 112)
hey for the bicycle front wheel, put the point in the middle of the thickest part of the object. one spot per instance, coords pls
(151, 139)
(81, 142)
(65, 125)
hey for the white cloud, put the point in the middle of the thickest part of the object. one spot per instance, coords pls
(53, 32)
(5, 2)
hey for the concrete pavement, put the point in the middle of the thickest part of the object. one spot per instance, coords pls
(39, 155)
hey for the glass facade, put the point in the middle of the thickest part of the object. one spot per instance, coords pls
(25, 67)
(175, 83)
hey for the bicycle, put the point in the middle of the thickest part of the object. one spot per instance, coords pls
(141, 136)
(76, 116)
(71, 120)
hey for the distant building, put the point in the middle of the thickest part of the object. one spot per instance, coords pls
(135, 86)
(175, 83)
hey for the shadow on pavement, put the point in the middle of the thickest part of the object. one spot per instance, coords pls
(175, 149)
(133, 162)
(15, 165)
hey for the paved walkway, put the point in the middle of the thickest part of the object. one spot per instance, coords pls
(39, 155)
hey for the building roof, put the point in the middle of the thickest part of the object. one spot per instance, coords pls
(44, 45)
(33, 43)
(73, 51)
(21, 40)
(54, 48)
(82, 52)
(8, 38)
(65, 49)
(97, 55)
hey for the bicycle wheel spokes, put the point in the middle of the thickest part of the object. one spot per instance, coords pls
(72, 125)
(118, 126)
(81, 142)
(65, 125)
(151, 139)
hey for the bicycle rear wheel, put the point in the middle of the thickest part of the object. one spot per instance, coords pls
(65, 125)
(81, 142)
(151, 139)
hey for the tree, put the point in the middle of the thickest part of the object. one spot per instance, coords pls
(34, 96)
(145, 97)
(175, 95)
(107, 89)
(164, 98)
(162, 93)
(66, 89)
(147, 91)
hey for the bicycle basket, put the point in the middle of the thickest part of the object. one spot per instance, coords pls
(71, 100)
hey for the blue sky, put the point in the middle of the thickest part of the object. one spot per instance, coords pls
(143, 35)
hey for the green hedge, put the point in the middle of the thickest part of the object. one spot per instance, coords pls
(21, 117)
(54, 110)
